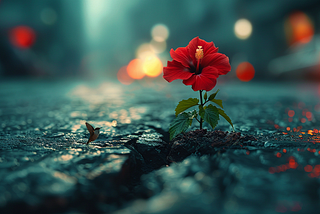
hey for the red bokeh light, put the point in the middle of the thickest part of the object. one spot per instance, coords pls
(308, 114)
(123, 76)
(299, 28)
(292, 163)
(22, 36)
(245, 71)
(290, 113)
(308, 168)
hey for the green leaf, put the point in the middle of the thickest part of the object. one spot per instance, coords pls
(205, 96)
(180, 124)
(218, 102)
(185, 104)
(210, 115)
(223, 114)
(212, 96)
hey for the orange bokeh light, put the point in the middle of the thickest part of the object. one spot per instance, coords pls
(291, 113)
(152, 66)
(245, 71)
(135, 69)
(22, 36)
(123, 76)
(299, 28)
(308, 114)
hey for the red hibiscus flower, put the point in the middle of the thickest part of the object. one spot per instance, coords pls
(199, 64)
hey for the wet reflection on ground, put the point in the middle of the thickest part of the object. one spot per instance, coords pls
(45, 162)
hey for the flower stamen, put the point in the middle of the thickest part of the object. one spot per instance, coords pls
(199, 53)
(199, 56)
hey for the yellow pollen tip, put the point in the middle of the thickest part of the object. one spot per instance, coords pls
(199, 53)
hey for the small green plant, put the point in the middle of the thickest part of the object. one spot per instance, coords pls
(199, 64)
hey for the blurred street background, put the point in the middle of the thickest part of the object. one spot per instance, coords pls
(128, 40)
(67, 62)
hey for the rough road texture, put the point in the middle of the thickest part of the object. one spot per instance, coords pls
(269, 165)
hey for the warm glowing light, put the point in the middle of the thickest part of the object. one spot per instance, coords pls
(22, 36)
(245, 71)
(317, 168)
(135, 69)
(66, 157)
(291, 113)
(288, 128)
(292, 163)
(308, 168)
(160, 32)
(284, 151)
(303, 120)
(308, 114)
(144, 51)
(278, 155)
(299, 28)
(152, 66)
(48, 16)
(243, 28)
(124, 77)
(158, 47)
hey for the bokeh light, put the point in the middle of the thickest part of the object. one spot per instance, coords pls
(152, 66)
(22, 36)
(124, 77)
(158, 47)
(299, 28)
(243, 28)
(135, 69)
(144, 51)
(159, 32)
(48, 16)
(291, 113)
(245, 71)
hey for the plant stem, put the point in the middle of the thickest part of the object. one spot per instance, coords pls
(201, 102)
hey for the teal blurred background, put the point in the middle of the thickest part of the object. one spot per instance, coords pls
(264, 39)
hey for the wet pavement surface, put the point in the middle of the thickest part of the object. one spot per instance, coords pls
(46, 167)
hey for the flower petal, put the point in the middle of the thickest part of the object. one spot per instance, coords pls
(181, 55)
(190, 81)
(210, 72)
(201, 82)
(208, 47)
(175, 70)
(217, 60)
(192, 47)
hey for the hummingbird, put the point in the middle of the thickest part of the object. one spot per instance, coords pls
(94, 133)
